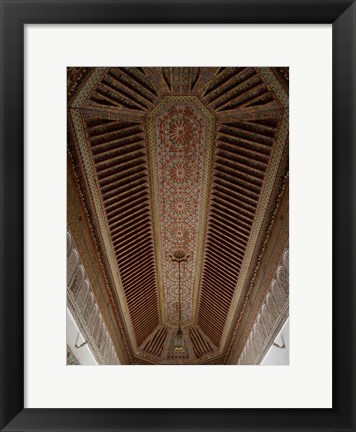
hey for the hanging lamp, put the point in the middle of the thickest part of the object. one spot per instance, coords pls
(179, 256)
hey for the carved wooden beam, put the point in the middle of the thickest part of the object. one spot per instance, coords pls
(117, 114)
(205, 76)
(155, 75)
(269, 110)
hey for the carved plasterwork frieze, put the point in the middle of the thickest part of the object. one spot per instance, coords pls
(271, 317)
(83, 306)
(71, 358)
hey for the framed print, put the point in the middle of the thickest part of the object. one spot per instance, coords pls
(185, 170)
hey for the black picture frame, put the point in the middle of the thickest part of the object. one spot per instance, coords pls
(14, 14)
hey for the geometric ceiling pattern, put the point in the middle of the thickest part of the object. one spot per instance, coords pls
(180, 133)
(179, 158)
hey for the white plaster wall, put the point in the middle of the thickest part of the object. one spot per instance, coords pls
(75, 337)
(277, 356)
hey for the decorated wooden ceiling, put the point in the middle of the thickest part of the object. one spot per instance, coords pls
(179, 158)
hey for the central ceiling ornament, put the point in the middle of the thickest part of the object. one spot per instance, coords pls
(180, 141)
(180, 128)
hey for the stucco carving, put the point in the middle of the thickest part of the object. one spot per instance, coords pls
(71, 358)
(82, 304)
(272, 315)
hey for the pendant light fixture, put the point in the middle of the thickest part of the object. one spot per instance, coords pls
(179, 256)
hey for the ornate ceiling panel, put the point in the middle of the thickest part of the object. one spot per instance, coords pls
(180, 141)
(179, 158)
